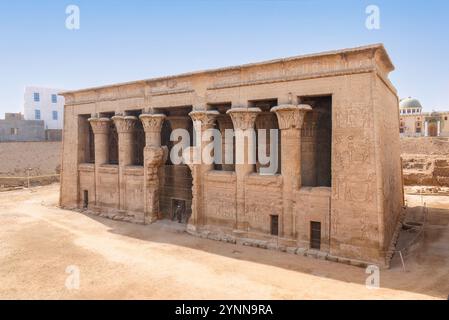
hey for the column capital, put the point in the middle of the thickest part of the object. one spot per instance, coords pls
(100, 125)
(205, 117)
(124, 124)
(152, 122)
(291, 116)
(243, 118)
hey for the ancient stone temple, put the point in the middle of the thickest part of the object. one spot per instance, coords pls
(337, 192)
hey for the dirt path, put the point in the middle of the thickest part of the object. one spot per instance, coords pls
(118, 260)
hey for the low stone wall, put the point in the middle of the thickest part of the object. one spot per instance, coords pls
(40, 160)
(425, 145)
(425, 161)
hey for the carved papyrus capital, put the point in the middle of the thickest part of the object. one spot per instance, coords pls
(243, 118)
(100, 125)
(291, 116)
(152, 122)
(204, 118)
(124, 124)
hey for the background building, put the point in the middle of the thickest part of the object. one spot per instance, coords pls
(415, 123)
(45, 104)
(15, 128)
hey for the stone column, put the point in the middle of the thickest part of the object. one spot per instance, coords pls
(290, 119)
(225, 123)
(244, 120)
(153, 158)
(100, 128)
(202, 121)
(125, 130)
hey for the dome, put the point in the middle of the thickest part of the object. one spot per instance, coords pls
(410, 103)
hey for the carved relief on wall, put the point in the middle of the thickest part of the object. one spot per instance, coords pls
(257, 213)
(130, 91)
(354, 189)
(352, 151)
(353, 115)
(265, 72)
(259, 208)
(219, 202)
(107, 93)
(170, 85)
(227, 77)
(220, 208)
(353, 224)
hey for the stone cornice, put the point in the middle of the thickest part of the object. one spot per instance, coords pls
(365, 59)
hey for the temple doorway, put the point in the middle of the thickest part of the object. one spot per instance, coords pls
(175, 198)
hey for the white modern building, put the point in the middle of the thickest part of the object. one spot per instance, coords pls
(44, 104)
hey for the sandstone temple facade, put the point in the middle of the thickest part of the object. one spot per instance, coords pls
(338, 190)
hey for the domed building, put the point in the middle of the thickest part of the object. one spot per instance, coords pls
(410, 106)
(415, 123)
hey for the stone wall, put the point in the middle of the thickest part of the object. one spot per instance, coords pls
(425, 145)
(42, 157)
(425, 161)
(22, 130)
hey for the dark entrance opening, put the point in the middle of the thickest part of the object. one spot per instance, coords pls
(175, 179)
(274, 225)
(85, 199)
(113, 139)
(86, 139)
(316, 141)
(315, 235)
(179, 212)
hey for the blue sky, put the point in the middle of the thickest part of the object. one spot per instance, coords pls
(129, 40)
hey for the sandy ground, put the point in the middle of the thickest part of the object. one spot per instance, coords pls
(119, 260)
